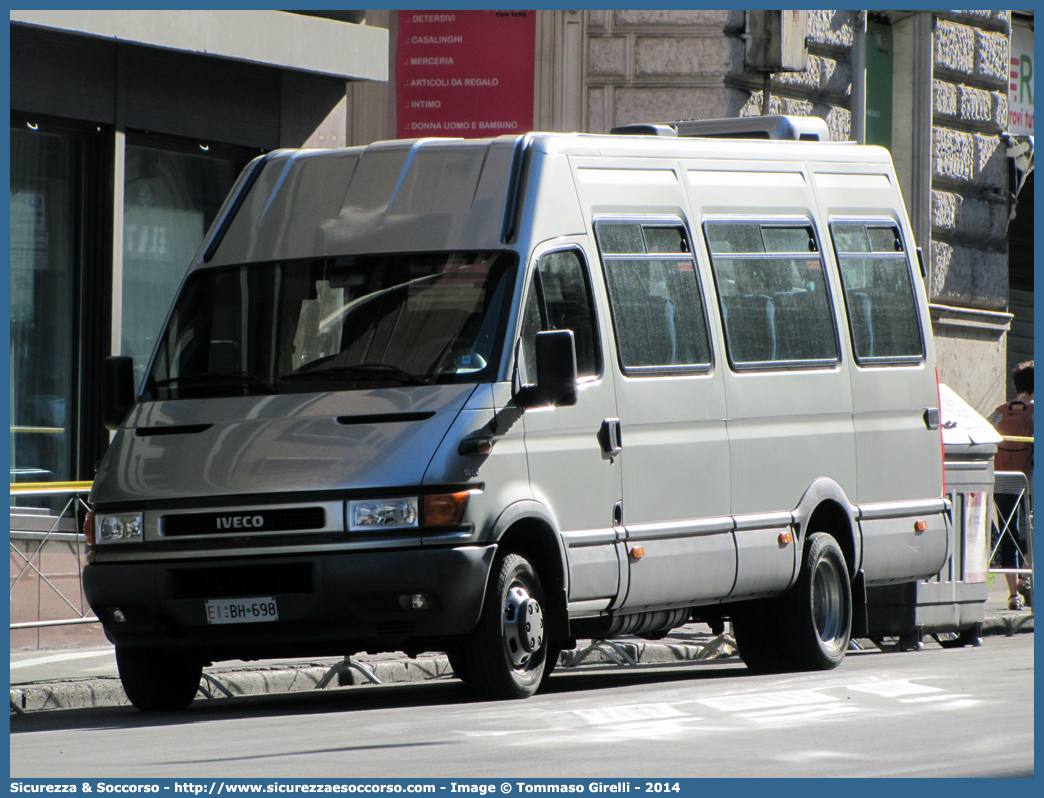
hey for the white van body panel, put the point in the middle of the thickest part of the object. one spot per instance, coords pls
(295, 442)
(721, 470)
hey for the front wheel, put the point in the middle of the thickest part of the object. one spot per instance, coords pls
(157, 680)
(818, 610)
(505, 654)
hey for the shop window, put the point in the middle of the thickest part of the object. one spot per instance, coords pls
(170, 200)
(44, 248)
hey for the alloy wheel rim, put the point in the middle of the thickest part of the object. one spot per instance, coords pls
(827, 603)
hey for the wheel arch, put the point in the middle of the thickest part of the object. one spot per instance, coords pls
(528, 528)
(826, 508)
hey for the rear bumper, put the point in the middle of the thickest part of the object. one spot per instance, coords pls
(327, 604)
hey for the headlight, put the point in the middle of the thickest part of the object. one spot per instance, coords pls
(122, 528)
(372, 514)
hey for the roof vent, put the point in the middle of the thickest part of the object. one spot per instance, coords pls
(779, 128)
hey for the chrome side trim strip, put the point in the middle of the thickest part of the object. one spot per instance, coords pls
(588, 608)
(680, 529)
(763, 521)
(589, 537)
(903, 509)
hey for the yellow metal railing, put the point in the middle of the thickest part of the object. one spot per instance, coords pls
(31, 560)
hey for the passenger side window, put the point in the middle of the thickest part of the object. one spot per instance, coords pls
(655, 298)
(559, 298)
(879, 293)
(772, 288)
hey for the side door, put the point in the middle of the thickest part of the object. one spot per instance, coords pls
(674, 442)
(788, 392)
(570, 471)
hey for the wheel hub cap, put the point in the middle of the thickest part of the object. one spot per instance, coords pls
(523, 625)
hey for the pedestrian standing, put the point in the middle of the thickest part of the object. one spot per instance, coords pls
(1015, 419)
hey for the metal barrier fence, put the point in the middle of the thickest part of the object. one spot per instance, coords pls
(35, 541)
(1015, 483)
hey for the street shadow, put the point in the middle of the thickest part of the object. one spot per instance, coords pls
(440, 692)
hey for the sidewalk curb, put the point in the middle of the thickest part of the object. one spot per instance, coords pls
(246, 680)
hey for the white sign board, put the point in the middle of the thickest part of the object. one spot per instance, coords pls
(1020, 83)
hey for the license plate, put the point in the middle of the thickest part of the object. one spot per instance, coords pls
(251, 610)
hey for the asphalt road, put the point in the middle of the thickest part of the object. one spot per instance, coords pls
(940, 713)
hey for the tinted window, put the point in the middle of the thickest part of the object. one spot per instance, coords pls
(656, 303)
(773, 292)
(559, 298)
(335, 324)
(879, 292)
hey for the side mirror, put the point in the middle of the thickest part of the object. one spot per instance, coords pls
(117, 390)
(556, 372)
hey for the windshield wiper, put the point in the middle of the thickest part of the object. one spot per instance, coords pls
(229, 378)
(361, 371)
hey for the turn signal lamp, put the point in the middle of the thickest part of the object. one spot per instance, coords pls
(88, 528)
(637, 552)
(445, 509)
(920, 526)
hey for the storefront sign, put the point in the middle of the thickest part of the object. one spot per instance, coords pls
(465, 74)
(1020, 85)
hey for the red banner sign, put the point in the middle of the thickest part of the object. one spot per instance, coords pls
(465, 74)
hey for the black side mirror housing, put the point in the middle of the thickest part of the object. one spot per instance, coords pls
(117, 390)
(556, 372)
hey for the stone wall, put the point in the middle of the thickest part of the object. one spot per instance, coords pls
(970, 207)
(660, 66)
(664, 65)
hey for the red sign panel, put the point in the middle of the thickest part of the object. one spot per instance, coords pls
(465, 74)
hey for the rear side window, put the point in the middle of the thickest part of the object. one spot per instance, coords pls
(879, 293)
(559, 298)
(775, 303)
(654, 294)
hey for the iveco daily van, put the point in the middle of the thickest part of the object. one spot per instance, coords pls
(487, 397)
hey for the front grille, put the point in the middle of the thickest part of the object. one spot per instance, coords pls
(254, 581)
(290, 519)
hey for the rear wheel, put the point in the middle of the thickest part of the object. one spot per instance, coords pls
(156, 680)
(504, 656)
(818, 609)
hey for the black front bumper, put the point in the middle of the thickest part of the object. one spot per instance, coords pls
(328, 604)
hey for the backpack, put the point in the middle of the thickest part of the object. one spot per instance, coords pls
(1016, 420)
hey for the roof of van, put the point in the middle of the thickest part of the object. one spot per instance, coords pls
(435, 193)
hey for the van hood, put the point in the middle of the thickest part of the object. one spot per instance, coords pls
(197, 448)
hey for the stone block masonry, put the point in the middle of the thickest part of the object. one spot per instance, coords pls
(969, 170)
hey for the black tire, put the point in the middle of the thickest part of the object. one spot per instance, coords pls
(817, 611)
(554, 651)
(459, 663)
(156, 680)
(504, 655)
(756, 627)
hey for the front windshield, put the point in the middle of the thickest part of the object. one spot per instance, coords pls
(343, 323)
